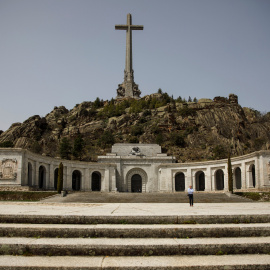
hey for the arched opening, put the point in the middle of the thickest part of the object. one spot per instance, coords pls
(55, 178)
(200, 181)
(180, 182)
(136, 183)
(253, 175)
(76, 180)
(96, 181)
(42, 177)
(238, 178)
(219, 180)
(29, 176)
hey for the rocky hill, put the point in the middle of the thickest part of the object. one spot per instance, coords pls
(201, 130)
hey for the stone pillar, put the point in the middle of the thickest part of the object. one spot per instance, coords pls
(68, 181)
(106, 180)
(189, 179)
(36, 180)
(113, 179)
(50, 184)
(226, 178)
(86, 180)
(212, 175)
(208, 180)
(257, 173)
(243, 175)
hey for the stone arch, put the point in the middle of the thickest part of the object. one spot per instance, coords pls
(42, 177)
(238, 178)
(252, 176)
(219, 179)
(76, 180)
(138, 174)
(180, 182)
(200, 181)
(55, 178)
(30, 174)
(96, 181)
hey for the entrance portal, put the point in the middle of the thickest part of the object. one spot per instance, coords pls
(136, 183)
(96, 185)
(180, 182)
(30, 174)
(219, 180)
(76, 180)
(42, 177)
(55, 178)
(200, 181)
(237, 175)
(253, 176)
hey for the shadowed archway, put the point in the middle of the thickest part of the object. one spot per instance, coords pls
(180, 182)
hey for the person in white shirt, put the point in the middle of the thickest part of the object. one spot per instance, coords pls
(190, 195)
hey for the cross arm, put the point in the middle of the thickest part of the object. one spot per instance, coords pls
(136, 27)
(121, 27)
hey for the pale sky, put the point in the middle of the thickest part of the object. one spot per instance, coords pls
(64, 52)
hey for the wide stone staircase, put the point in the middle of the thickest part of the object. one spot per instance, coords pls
(135, 242)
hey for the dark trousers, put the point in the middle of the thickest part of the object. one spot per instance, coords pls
(190, 196)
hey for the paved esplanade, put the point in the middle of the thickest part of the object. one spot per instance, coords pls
(132, 209)
(128, 88)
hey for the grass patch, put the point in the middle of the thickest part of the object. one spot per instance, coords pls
(24, 195)
(190, 222)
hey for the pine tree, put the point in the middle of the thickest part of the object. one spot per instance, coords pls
(65, 148)
(60, 178)
(78, 147)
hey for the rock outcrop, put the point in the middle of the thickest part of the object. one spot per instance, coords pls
(206, 129)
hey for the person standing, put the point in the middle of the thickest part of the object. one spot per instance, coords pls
(190, 195)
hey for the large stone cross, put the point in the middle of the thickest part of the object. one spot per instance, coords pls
(128, 88)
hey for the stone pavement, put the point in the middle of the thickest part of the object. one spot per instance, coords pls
(132, 209)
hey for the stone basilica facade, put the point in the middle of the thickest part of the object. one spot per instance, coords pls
(133, 168)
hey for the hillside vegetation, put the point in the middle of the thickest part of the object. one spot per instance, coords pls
(190, 130)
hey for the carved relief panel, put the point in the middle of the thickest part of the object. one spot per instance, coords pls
(8, 169)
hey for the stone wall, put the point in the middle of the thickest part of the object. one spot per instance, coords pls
(21, 168)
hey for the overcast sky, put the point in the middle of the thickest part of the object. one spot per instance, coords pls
(64, 52)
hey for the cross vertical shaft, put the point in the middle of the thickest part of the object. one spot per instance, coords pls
(128, 88)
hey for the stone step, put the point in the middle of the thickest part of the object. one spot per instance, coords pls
(141, 219)
(134, 230)
(133, 246)
(236, 262)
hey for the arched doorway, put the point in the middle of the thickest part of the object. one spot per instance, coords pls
(180, 182)
(136, 183)
(55, 178)
(42, 177)
(238, 178)
(29, 176)
(96, 181)
(253, 175)
(136, 180)
(200, 181)
(219, 180)
(76, 180)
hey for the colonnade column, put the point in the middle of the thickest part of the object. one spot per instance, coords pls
(189, 180)
(113, 178)
(36, 180)
(208, 179)
(50, 184)
(226, 178)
